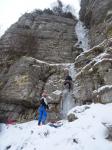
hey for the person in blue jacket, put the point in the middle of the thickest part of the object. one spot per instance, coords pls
(43, 109)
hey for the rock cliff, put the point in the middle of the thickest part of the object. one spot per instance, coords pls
(46, 37)
(93, 81)
(36, 36)
(22, 86)
(97, 16)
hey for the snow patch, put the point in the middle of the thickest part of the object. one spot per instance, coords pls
(102, 88)
(57, 92)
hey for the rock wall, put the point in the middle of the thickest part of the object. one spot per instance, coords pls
(23, 77)
(22, 87)
(93, 81)
(97, 16)
(46, 37)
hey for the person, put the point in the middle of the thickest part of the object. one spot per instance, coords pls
(43, 109)
(68, 80)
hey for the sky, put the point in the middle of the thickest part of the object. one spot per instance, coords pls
(11, 10)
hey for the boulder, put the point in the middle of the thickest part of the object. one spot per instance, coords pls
(109, 133)
(71, 117)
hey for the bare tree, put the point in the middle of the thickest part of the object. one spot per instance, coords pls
(59, 8)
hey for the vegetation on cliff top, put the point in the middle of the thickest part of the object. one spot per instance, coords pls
(59, 9)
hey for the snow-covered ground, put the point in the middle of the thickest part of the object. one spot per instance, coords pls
(88, 132)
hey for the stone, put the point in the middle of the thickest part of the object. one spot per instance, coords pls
(71, 117)
(109, 137)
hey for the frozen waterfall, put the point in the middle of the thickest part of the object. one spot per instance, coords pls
(82, 34)
(68, 101)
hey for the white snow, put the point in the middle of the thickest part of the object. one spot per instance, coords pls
(101, 56)
(101, 60)
(88, 132)
(103, 88)
(57, 92)
(90, 51)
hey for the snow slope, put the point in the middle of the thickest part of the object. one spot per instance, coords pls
(86, 133)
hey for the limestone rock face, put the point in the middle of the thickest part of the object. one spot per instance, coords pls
(93, 81)
(36, 36)
(46, 37)
(97, 16)
(23, 78)
(22, 86)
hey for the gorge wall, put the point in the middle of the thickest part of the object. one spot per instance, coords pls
(36, 36)
(46, 37)
(94, 68)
